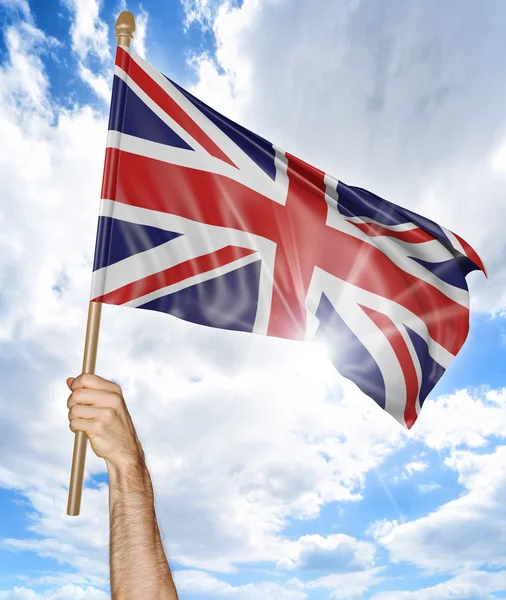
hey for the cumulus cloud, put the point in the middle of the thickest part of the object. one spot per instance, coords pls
(199, 12)
(196, 583)
(464, 418)
(465, 533)
(336, 554)
(90, 42)
(141, 27)
(474, 585)
(61, 593)
(348, 585)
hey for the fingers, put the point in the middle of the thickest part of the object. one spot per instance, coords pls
(95, 397)
(86, 425)
(93, 382)
(84, 411)
(90, 419)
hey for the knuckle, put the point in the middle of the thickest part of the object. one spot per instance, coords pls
(109, 413)
(117, 389)
(116, 400)
(87, 380)
(78, 394)
(75, 411)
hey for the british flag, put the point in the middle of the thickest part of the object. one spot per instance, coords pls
(202, 219)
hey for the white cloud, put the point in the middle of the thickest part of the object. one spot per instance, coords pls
(141, 25)
(100, 84)
(335, 553)
(474, 585)
(21, 5)
(499, 158)
(88, 32)
(22, 80)
(425, 488)
(200, 12)
(416, 466)
(348, 585)
(197, 583)
(90, 42)
(466, 533)
(466, 417)
(61, 593)
(225, 81)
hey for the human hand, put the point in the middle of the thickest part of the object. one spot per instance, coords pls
(97, 407)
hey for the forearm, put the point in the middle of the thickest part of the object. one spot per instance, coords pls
(139, 567)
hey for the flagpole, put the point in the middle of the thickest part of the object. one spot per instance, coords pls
(125, 26)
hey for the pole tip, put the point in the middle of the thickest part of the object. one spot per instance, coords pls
(125, 26)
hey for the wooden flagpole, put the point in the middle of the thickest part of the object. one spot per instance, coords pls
(125, 26)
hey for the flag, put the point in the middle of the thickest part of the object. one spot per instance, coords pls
(205, 220)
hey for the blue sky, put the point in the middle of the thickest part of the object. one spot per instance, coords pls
(274, 477)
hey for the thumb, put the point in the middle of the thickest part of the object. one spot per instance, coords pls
(69, 382)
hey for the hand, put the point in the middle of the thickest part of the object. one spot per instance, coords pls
(97, 407)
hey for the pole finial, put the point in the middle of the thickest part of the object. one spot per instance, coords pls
(125, 27)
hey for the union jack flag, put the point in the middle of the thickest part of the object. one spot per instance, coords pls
(202, 219)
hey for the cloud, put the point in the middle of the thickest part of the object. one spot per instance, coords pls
(474, 585)
(90, 42)
(336, 553)
(18, 5)
(141, 25)
(89, 34)
(425, 488)
(61, 593)
(463, 534)
(464, 418)
(200, 12)
(348, 585)
(416, 466)
(193, 582)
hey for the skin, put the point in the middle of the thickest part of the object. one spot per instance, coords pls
(138, 564)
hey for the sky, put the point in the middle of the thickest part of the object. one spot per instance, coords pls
(275, 478)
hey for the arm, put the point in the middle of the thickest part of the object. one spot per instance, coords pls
(138, 565)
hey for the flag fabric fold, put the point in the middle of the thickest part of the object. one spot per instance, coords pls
(204, 220)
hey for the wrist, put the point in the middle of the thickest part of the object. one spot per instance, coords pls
(128, 472)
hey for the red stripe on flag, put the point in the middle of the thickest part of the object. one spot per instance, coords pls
(470, 253)
(180, 272)
(393, 335)
(110, 176)
(412, 236)
(166, 103)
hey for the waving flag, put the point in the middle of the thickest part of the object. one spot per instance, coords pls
(205, 220)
